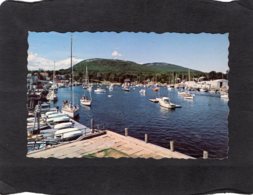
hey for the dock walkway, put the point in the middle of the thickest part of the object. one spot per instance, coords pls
(113, 143)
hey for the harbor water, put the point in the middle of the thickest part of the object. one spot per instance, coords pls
(200, 124)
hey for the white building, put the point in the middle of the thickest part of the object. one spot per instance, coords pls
(213, 84)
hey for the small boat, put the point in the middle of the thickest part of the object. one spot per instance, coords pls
(51, 96)
(59, 134)
(56, 115)
(156, 100)
(60, 120)
(111, 87)
(186, 95)
(109, 96)
(36, 145)
(85, 101)
(51, 112)
(99, 90)
(70, 135)
(52, 119)
(125, 88)
(165, 102)
(63, 125)
(44, 107)
(156, 89)
(169, 88)
(224, 96)
(70, 110)
(142, 91)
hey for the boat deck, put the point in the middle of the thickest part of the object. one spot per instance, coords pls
(113, 144)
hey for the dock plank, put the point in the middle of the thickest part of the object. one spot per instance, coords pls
(127, 145)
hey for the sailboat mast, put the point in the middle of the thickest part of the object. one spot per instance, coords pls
(54, 74)
(189, 76)
(71, 65)
(86, 77)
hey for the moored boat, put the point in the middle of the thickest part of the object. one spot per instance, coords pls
(165, 102)
(85, 101)
(68, 108)
(99, 90)
(155, 100)
(142, 91)
(63, 125)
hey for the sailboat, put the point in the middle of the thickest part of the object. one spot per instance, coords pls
(52, 95)
(68, 108)
(86, 80)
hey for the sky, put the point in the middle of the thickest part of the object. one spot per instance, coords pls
(204, 52)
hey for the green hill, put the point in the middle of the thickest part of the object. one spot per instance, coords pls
(116, 66)
(118, 70)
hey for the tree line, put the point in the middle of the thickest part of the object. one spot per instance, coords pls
(168, 77)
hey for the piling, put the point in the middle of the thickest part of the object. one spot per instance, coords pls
(126, 131)
(146, 138)
(172, 146)
(205, 154)
(91, 125)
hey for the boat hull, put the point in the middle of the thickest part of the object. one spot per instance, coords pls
(85, 102)
(70, 113)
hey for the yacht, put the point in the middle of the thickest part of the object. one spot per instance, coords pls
(165, 102)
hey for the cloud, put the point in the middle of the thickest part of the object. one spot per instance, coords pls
(116, 54)
(35, 62)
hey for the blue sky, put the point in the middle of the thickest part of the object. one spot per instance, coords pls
(205, 52)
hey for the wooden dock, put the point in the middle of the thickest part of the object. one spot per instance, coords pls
(109, 144)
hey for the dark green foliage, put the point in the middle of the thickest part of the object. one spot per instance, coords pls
(118, 70)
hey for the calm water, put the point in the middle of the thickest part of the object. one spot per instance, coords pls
(201, 124)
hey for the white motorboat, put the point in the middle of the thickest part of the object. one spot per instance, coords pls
(66, 133)
(51, 112)
(99, 90)
(142, 91)
(69, 135)
(51, 119)
(186, 95)
(56, 115)
(63, 125)
(165, 102)
(169, 88)
(85, 101)
(111, 87)
(60, 120)
(224, 96)
(72, 135)
(155, 100)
